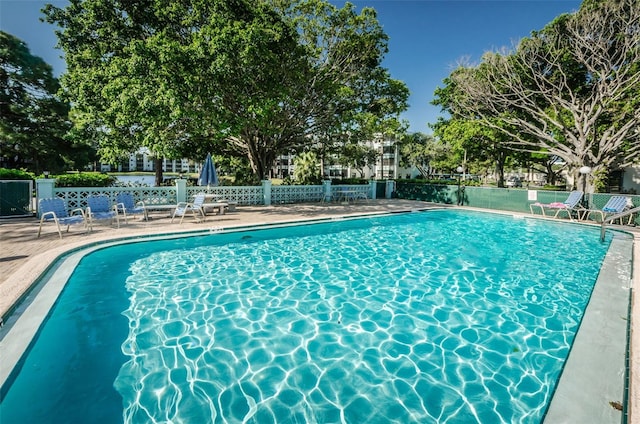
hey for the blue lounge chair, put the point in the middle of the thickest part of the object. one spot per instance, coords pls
(614, 206)
(570, 206)
(196, 209)
(99, 208)
(55, 210)
(126, 205)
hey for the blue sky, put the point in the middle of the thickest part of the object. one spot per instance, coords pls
(427, 37)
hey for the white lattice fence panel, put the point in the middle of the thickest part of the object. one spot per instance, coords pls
(192, 191)
(244, 195)
(296, 194)
(155, 195)
(76, 197)
(73, 197)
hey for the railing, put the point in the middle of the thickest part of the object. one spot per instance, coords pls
(297, 194)
(252, 195)
(243, 195)
(266, 194)
(76, 197)
(603, 227)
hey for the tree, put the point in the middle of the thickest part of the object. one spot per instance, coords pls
(34, 120)
(570, 90)
(306, 169)
(152, 74)
(252, 78)
(479, 147)
(474, 144)
(551, 166)
(336, 87)
(422, 151)
(358, 156)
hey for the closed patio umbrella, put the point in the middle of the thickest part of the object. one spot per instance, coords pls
(208, 175)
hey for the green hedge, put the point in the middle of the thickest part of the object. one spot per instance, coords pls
(15, 174)
(85, 179)
(350, 181)
(451, 181)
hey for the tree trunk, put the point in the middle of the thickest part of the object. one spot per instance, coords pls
(500, 168)
(157, 164)
(551, 176)
(258, 157)
(586, 182)
(261, 165)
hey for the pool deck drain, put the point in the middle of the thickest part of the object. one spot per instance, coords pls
(585, 389)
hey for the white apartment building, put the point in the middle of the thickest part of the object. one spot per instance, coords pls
(142, 161)
(386, 166)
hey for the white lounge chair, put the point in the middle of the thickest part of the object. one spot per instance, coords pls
(569, 206)
(195, 209)
(55, 210)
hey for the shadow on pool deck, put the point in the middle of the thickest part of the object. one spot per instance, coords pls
(585, 389)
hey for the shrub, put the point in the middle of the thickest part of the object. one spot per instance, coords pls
(15, 174)
(552, 187)
(351, 181)
(307, 170)
(85, 179)
(244, 177)
(450, 181)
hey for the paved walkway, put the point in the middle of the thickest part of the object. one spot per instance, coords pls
(24, 257)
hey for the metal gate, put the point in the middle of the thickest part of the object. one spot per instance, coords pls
(16, 198)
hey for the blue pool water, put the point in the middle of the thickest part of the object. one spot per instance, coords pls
(434, 317)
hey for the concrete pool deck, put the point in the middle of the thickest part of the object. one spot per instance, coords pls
(24, 257)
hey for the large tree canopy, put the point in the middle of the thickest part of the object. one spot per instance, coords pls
(156, 74)
(240, 77)
(570, 90)
(33, 120)
(338, 92)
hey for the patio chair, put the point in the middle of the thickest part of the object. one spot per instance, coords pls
(99, 208)
(196, 209)
(126, 205)
(55, 210)
(570, 206)
(615, 205)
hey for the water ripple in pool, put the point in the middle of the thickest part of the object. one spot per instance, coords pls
(443, 320)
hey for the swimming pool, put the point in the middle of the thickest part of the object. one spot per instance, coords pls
(440, 316)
